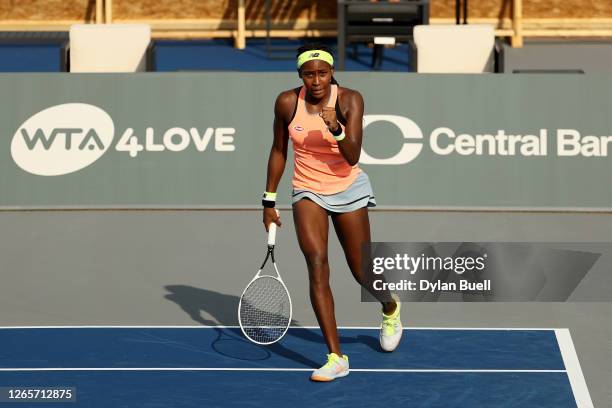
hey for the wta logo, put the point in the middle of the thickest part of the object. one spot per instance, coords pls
(66, 138)
(62, 139)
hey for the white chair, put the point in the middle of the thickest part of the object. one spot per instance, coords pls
(109, 47)
(468, 48)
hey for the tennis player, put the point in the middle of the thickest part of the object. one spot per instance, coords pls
(324, 121)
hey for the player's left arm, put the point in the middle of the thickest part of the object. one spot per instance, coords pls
(350, 146)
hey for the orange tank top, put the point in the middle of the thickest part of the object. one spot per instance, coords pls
(318, 163)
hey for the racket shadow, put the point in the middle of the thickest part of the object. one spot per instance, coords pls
(230, 344)
(229, 341)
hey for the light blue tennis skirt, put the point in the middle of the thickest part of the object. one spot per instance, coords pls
(356, 196)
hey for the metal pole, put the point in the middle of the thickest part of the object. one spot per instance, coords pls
(457, 12)
(109, 11)
(240, 41)
(99, 11)
(517, 24)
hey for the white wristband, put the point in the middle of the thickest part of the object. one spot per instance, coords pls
(269, 196)
(340, 137)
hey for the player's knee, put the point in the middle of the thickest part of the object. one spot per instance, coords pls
(318, 268)
(316, 261)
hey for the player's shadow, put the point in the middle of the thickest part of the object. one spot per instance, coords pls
(314, 337)
(223, 309)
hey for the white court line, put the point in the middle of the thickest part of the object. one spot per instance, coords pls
(574, 372)
(291, 328)
(366, 370)
(285, 207)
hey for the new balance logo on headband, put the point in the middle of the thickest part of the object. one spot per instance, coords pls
(314, 54)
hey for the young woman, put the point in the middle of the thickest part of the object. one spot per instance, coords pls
(324, 122)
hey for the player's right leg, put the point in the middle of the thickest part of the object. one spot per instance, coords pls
(311, 226)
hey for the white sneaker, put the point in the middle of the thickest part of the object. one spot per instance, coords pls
(335, 367)
(391, 328)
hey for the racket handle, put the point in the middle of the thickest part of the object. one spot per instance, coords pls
(272, 232)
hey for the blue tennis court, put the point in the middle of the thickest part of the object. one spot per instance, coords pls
(215, 366)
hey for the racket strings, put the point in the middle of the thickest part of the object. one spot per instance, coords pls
(265, 310)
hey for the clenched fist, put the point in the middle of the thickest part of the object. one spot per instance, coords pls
(329, 117)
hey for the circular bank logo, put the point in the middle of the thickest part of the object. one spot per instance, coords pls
(411, 132)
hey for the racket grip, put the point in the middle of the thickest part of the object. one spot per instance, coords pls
(272, 233)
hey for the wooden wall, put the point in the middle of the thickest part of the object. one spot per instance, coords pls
(531, 8)
(44, 10)
(283, 10)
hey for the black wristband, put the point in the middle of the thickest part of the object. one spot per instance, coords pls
(268, 203)
(337, 132)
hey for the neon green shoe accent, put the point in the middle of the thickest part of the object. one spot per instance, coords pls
(335, 367)
(391, 328)
(333, 358)
(392, 321)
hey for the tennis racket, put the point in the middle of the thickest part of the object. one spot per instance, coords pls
(264, 311)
